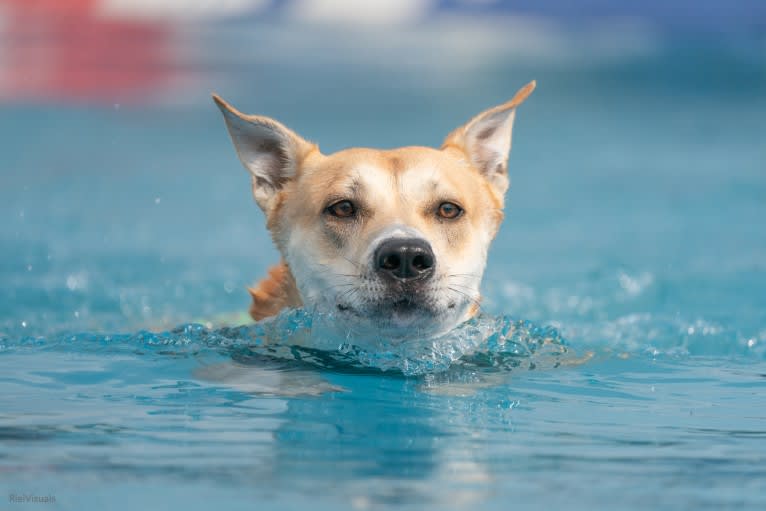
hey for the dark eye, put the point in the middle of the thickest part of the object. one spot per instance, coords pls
(449, 210)
(342, 209)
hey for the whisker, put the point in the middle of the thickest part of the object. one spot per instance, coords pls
(335, 286)
(348, 295)
(332, 271)
(352, 262)
(463, 293)
(462, 275)
(467, 288)
(470, 298)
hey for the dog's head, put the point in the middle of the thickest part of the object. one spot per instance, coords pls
(394, 239)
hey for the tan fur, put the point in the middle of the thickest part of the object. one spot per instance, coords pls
(456, 138)
(274, 293)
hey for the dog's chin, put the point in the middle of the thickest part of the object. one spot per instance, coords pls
(399, 318)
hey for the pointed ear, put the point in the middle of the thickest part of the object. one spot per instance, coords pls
(486, 139)
(270, 151)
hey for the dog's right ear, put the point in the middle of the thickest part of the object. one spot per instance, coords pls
(270, 151)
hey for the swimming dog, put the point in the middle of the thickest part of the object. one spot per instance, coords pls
(390, 240)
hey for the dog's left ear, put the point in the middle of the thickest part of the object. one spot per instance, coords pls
(486, 139)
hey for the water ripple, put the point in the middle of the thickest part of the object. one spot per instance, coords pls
(499, 342)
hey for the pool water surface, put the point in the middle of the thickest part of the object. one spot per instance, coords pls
(634, 231)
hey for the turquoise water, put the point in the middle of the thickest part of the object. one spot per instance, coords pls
(634, 244)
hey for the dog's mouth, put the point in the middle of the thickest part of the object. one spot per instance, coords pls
(396, 312)
(399, 315)
(391, 319)
(404, 306)
(401, 306)
(400, 309)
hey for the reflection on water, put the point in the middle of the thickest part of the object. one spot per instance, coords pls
(140, 429)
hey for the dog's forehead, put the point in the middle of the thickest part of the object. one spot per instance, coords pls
(373, 171)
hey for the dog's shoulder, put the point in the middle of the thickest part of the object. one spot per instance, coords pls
(275, 292)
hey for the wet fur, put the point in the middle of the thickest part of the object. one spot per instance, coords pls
(395, 189)
(275, 292)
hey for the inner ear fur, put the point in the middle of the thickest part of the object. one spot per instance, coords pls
(270, 151)
(486, 139)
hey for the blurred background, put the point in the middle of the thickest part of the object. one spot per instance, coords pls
(638, 168)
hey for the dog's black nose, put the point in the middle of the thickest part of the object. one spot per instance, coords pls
(405, 259)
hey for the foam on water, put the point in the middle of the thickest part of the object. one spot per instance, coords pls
(300, 335)
(486, 342)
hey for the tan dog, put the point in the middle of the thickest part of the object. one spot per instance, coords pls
(389, 240)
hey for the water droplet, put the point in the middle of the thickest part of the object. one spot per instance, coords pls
(751, 343)
(77, 281)
(635, 285)
(77, 314)
(24, 324)
(361, 503)
(157, 200)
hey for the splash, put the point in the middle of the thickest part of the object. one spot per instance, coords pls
(499, 342)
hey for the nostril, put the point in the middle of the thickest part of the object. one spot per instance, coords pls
(422, 262)
(391, 262)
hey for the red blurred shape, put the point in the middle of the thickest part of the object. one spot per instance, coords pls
(65, 50)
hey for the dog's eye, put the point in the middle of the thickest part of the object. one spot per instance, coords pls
(342, 209)
(449, 210)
